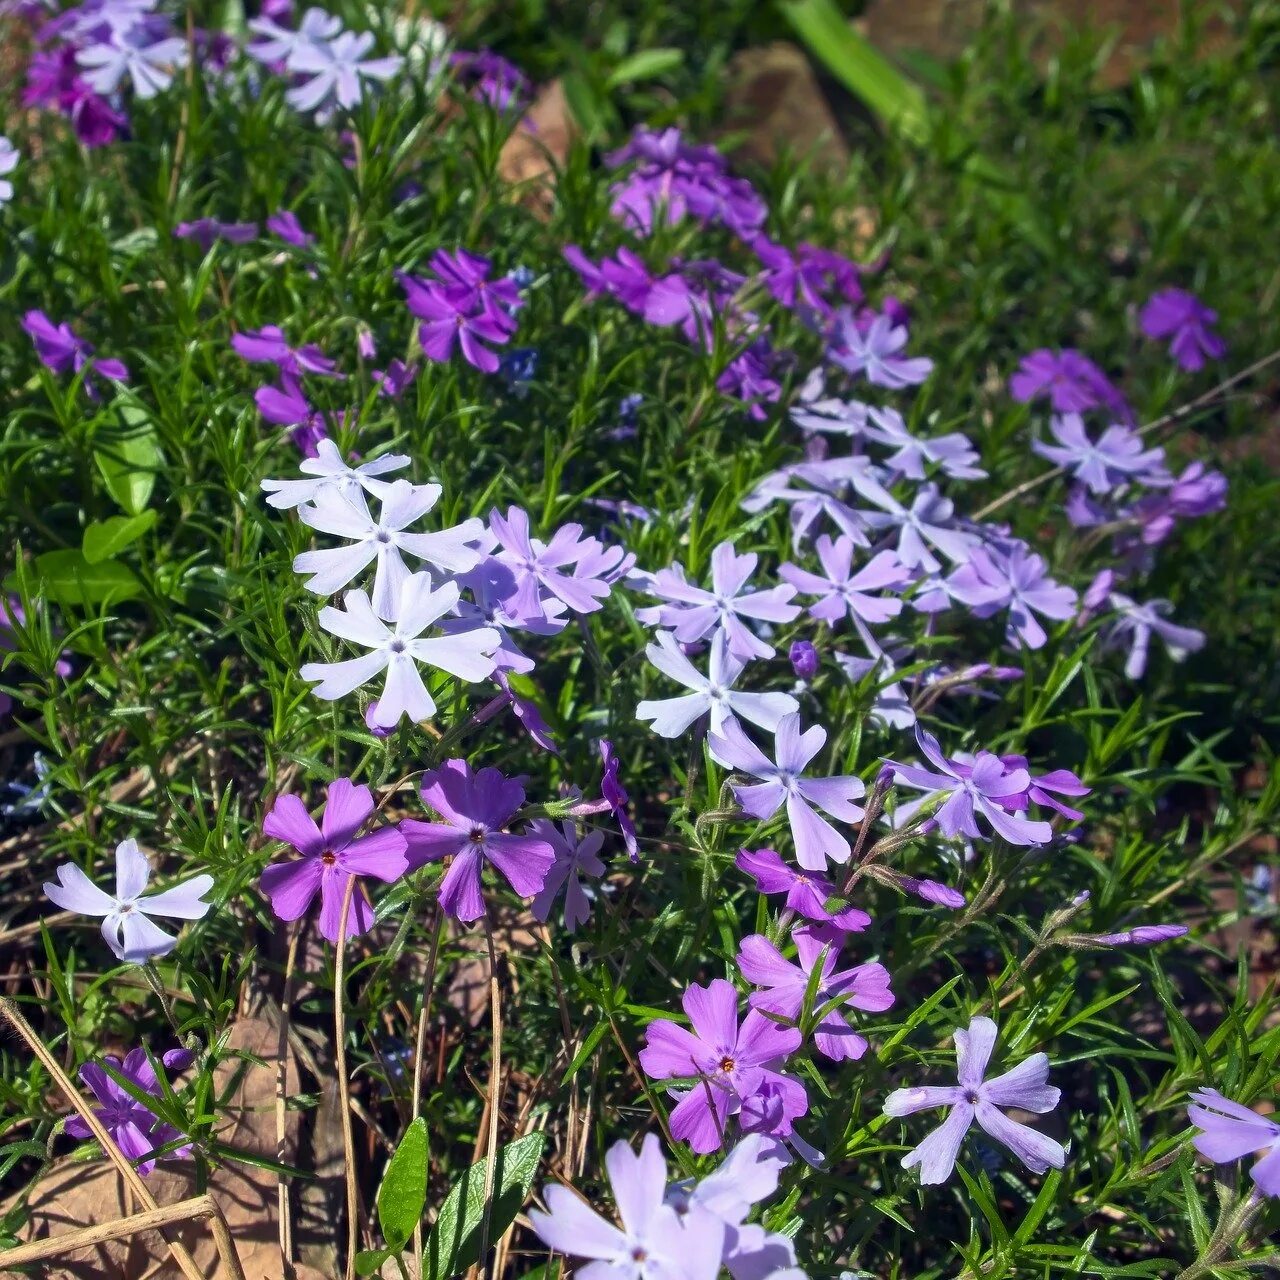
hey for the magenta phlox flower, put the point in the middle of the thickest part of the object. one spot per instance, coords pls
(692, 612)
(984, 786)
(1012, 578)
(206, 232)
(144, 51)
(712, 694)
(783, 782)
(653, 1243)
(1071, 382)
(134, 1127)
(54, 80)
(329, 472)
(455, 318)
(466, 275)
(928, 522)
(807, 891)
(876, 352)
(749, 377)
(841, 591)
(395, 379)
(1116, 458)
(126, 916)
(60, 350)
(268, 345)
(1025, 1087)
(475, 807)
(733, 1062)
(1186, 323)
(337, 69)
(615, 794)
(492, 79)
(866, 986)
(1230, 1131)
(952, 454)
(575, 856)
(331, 855)
(1133, 625)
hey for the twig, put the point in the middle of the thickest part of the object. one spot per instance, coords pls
(282, 1090)
(495, 1089)
(344, 1085)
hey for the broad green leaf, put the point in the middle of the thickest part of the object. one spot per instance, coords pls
(106, 538)
(645, 65)
(129, 457)
(454, 1242)
(403, 1193)
(369, 1261)
(66, 577)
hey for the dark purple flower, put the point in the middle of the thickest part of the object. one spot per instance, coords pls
(1072, 382)
(59, 349)
(286, 406)
(749, 377)
(615, 793)
(804, 659)
(207, 231)
(268, 345)
(1186, 323)
(807, 891)
(285, 226)
(491, 79)
(454, 318)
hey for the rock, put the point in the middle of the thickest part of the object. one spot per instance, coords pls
(539, 145)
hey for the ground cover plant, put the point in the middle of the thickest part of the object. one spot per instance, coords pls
(700, 718)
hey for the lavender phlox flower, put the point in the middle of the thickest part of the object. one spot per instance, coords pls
(126, 916)
(615, 794)
(576, 855)
(814, 411)
(807, 891)
(398, 649)
(694, 612)
(329, 472)
(783, 782)
(804, 659)
(103, 18)
(382, 541)
(1134, 624)
(829, 480)
(475, 806)
(496, 603)
(928, 521)
(1116, 458)
(1187, 324)
(1070, 380)
(712, 694)
(59, 349)
(337, 68)
(1016, 579)
(748, 377)
(1196, 492)
(206, 232)
(142, 51)
(278, 44)
(891, 704)
(1142, 935)
(455, 317)
(772, 1111)
(984, 786)
(1046, 787)
(8, 163)
(332, 854)
(876, 352)
(268, 345)
(1083, 511)
(841, 591)
(133, 1126)
(1025, 1087)
(1229, 1131)
(492, 79)
(953, 454)
(285, 226)
(654, 1241)
(732, 1062)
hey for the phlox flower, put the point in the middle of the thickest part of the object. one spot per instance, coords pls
(1196, 492)
(615, 794)
(1229, 1131)
(285, 226)
(1025, 1086)
(876, 352)
(576, 856)
(332, 854)
(1187, 324)
(748, 377)
(329, 472)
(928, 521)
(1046, 787)
(1014, 579)
(466, 276)
(807, 891)
(496, 603)
(268, 345)
(953, 454)
(783, 782)
(475, 807)
(890, 702)
(866, 986)
(841, 591)
(1116, 458)
(398, 650)
(8, 163)
(733, 1062)
(207, 231)
(653, 1243)
(455, 317)
(1134, 624)
(1070, 380)
(286, 406)
(126, 916)
(492, 79)
(692, 612)
(277, 44)
(60, 350)
(1141, 935)
(381, 541)
(337, 68)
(711, 694)
(804, 659)
(135, 51)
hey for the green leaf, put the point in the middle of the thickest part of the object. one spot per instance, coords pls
(403, 1193)
(454, 1242)
(66, 577)
(369, 1261)
(105, 538)
(648, 64)
(129, 458)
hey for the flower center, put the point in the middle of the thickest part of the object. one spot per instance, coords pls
(382, 536)
(328, 857)
(396, 646)
(639, 1255)
(971, 1096)
(476, 835)
(727, 1064)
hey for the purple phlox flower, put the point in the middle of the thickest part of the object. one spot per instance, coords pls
(575, 856)
(328, 472)
(475, 807)
(891, 705)
(953, 454)
(782, 277)
(454, 317)
(496, 603)
(1134, 624)
(841, 591)
(1187, 323)
(1046, 786)
(984, 786)
(268, 345)
(1142, 935)
(815, 411)
(654, 1241)
(337, 68)
(286, 406)
(876, 352)
(1196, 492)
(133, 1127)
(278, 44)
(126, 917)
(285, 226)
(1025, 1086)
(1084, 511)
(865, 986)
(713, 693)
(612, 790)
(382, 541)
(940, 895)
(395, 379)
(492, 79)
(543, 566)
(1071, 381)
(1116, 458)
(206, 231)
(804, 659)
(771, 1112)
(1229, 1131)
(807, 891)
(1016, 579)
(829, 480)
(749, 377)
(782, 781)
(8, 163)
(928, 521)
(732, 1062)
(53, 79)
(526, 711)
(331, 855)
(399, 648)
(102, 19)
(694, 612)
(828, 274)
(143, 51)
(466, 275)
(59, 349)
